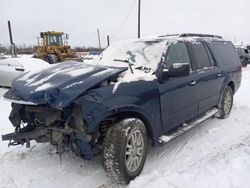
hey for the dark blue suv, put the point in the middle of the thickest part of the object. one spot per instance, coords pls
(138, 91)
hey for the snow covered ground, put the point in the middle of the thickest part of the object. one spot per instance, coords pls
(214, 154)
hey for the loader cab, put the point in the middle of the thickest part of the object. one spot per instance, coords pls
(52, 38)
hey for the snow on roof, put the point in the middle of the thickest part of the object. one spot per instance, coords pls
(144, 52)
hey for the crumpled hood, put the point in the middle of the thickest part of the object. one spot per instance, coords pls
(62, 83)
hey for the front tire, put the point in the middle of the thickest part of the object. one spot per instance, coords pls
(226, 103)
(125, 150)
(52, 59)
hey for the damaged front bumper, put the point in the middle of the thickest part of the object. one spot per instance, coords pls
(45, 135)
(64, 129)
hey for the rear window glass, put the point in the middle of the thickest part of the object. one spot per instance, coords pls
(226, 53)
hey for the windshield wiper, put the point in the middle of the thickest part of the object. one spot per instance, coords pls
(126, 61)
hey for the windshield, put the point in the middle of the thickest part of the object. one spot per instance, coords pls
(145, 53)
(55, 40)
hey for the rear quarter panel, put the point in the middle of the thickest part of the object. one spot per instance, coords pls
(230, 72)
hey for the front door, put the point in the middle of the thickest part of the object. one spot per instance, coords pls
(178, 96)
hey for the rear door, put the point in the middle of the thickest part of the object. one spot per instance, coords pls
(178, 96)
(209, 76)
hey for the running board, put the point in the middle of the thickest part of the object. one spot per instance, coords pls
(185, 127)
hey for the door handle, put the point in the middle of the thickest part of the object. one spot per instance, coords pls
(219, 75)
(19, 69)
(193, 82)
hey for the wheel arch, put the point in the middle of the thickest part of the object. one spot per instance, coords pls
(228, 81)
(232, 85)
(116, 117)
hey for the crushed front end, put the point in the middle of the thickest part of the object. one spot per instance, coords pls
(64, 128)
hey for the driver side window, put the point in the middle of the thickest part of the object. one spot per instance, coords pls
(177, 53)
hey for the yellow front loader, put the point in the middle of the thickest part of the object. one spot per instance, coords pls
(53, 47)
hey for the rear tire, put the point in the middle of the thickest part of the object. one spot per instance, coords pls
(226, 103)
(125, 150)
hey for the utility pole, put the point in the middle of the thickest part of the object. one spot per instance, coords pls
(108, 40)
(139, 18)
(13, 47)
(99, 40)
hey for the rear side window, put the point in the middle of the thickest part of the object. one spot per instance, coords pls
(211, 58)
(226, 53)
(201, 56)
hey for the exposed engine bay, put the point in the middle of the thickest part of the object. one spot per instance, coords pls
(64, 129)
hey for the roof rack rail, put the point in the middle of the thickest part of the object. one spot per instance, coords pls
(199, 35)
(169, 35)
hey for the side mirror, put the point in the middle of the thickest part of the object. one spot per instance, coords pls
(175, 70)
(67, 36)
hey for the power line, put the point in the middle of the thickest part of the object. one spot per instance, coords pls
(125, 20)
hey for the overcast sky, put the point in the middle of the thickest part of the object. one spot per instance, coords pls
(80, 18)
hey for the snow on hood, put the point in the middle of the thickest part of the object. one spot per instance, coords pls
(61, 83)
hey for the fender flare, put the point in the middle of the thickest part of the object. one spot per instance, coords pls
(226, 82)
(126, 111)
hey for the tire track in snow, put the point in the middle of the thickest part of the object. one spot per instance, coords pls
(175, 149)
